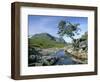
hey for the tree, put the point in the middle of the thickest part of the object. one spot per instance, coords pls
(85, 36)
(69, 30)
(84, 42)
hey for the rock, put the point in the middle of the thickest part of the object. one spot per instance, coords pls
(83, 44)
(32, 57)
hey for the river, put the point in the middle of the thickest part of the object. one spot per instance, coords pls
(64, 59)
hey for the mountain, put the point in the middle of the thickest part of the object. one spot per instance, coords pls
(43, 35)
(48, 36)
(45, 40)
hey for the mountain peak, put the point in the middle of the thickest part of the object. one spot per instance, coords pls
(48, 36)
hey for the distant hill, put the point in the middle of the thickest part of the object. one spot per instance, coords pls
(45, 40)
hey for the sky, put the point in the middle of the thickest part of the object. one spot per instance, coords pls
(48, 24)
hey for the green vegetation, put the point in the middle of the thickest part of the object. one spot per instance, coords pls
(69, 30)
(45, 40)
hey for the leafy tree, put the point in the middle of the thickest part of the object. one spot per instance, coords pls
(69, 30)
(85, 36)
(84, 41)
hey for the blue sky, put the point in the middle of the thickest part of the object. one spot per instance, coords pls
(48, 24)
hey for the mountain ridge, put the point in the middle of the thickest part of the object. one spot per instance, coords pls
(46, 40)
(49, 36)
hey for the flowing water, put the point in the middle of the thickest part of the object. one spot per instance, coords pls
(64, 59)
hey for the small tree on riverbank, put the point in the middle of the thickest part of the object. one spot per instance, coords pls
(69, 30)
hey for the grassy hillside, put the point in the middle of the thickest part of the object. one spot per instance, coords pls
(45, 40)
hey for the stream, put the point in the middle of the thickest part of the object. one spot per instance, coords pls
(64, 59)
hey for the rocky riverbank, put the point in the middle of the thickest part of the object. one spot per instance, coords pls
(54, 56)
(79, 56)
